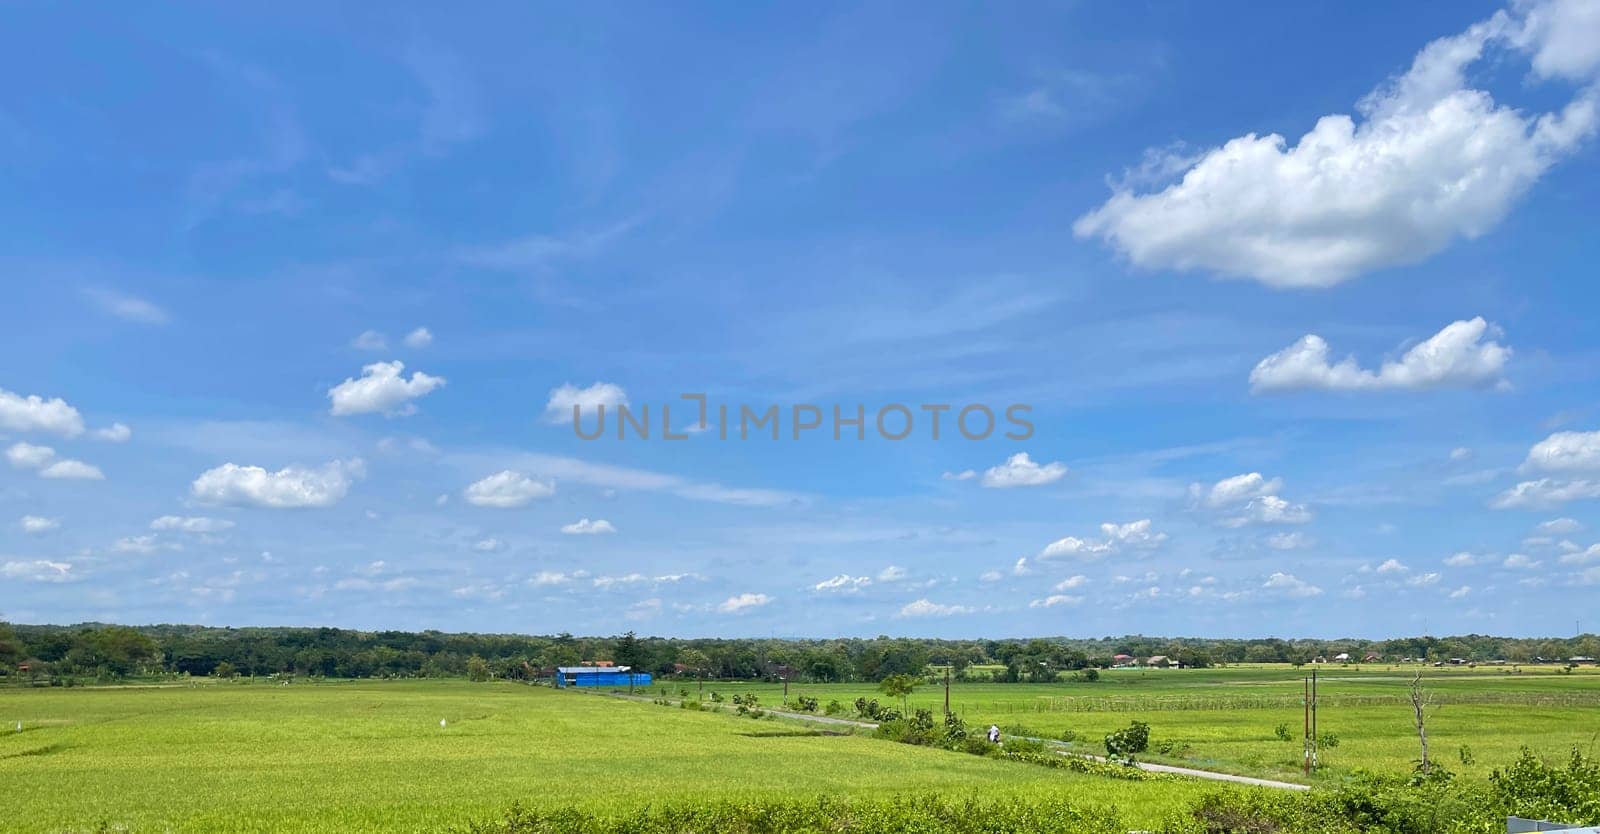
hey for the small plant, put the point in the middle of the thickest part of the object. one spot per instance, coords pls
(833, 707)
(1327, 740)
(805, 703)
(1467, 759)
(1125, 743)
(1282, 732)
(716, 697)
(1068, 736)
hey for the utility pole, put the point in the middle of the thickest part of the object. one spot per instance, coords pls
(947, 690)
(1314, 750)
(1305, 743)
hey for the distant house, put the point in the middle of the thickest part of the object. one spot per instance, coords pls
(607, 675)
(1370, 657)
(1341, 657)
(1122, 660)
(1159, 661)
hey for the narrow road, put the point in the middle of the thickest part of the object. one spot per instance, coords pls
(1147, 766)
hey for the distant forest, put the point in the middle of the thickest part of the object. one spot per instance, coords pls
(98, 651)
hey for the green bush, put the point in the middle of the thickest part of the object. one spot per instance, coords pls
(1124, 743)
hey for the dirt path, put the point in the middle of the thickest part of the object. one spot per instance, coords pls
(1148, 766)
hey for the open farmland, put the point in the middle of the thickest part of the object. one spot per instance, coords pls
(1225, 719)
(371, 756)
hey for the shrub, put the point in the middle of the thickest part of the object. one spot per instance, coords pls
(1068, 736)
(1124, 743)
(692, 706)
(1282, 732)
(805, 704)
(833, 707)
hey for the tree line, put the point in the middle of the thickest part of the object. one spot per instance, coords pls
(108, 651)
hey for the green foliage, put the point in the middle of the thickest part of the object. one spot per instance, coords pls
(805, 703)
(477, 669)
(224, 670)
(833, 708)
(1281, 732)
(930, 814)
(1129, 741)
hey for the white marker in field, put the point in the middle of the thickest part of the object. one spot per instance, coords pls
(441, 723)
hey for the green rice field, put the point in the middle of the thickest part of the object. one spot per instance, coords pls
(372, 755)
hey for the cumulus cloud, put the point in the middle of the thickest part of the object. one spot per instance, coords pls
(419, 338)
(488, 545)
(1565, 453)
(1392, 566)
(35, 524)
(1289, 585)
(288, 488)
(928, 608)
(1020, 471)
(1234, 490)
(1072, 582)
(38, 570)
(844, 583)
(585, 527)
(1461, 560)
(1521, 561)
(114, 433)
(1115, 538)
(43, 460)
(191, 524)
(551, 577)
(743, 602)
(1558, 527)
(1544, 494)
(963, 475)
(1423, 580)
(507, 490)
(370, 340)
(565, 399)
(381, 388)
(1055, 600)
(34, 413)
(1289, 541)
(1428, 161)
(1247, 500)
(1457, 356)
(892, 573)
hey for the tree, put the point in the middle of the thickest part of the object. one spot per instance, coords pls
(477, 669)
(899, 686)
(224, 670)
(695, 661)
(1421, 700)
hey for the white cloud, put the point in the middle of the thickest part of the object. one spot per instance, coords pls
(507, 490)
(588, 401)
(1581, 557)
(1461, 453)
(191, 524)
(1558, 527)
(72, 470)
(963, 475)
(34, 413)
(1132, 536)
(1430, 161)
(1291, 586)
(927, 608)
(1521, 561)
(892, 573)
(546, 578)
(136, 544)
(1054, 600)
(1072, 582)
(1565, 453)
(126, 307)
(1392, 566)
(1461, 560)
(381, 388)
(1461, 592)
(419, 338)
(585, 527)
(1289, 541)
(990, 576)
(1544, 493)
(1456, 356)
(38, 570)
(370, 340)
(1423, 580)
(1021, 567)
(844, 583)
(1268, 509)
(35, 524)
(1020, 471)
(743, 602)
(114, 433)
(29, 456)
(289, 487)
(488, 545)
(1237, 489)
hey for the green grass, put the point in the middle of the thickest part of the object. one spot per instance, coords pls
(1227, 717)
(371, 756)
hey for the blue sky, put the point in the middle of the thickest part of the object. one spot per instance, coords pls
(1301, 299)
